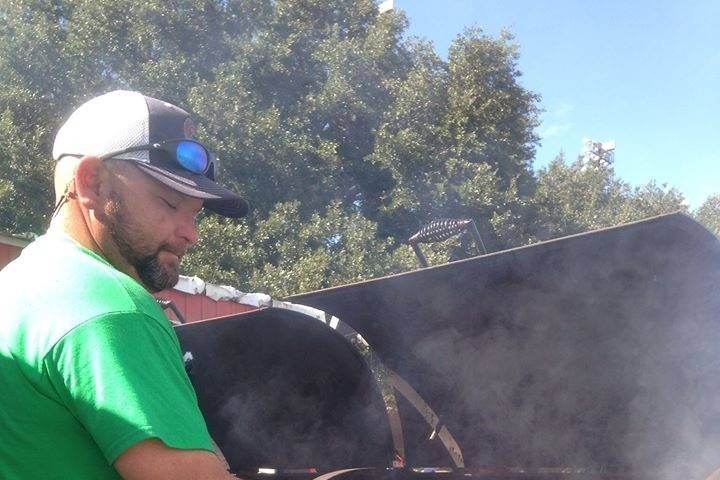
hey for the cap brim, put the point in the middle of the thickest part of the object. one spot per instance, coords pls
(217, 198)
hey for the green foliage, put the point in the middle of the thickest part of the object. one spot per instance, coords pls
(709, 214)
(458, 141)
(345, 136)
(581, 196)
(25, 174)
(491, 116)
(287, 255)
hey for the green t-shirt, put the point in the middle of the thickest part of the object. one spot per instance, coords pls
(89, 366)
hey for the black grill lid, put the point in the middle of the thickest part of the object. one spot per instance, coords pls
(281, 389)
(598, 350)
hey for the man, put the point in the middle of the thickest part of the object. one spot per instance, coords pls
(92, 383)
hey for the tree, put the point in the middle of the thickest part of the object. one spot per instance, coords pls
(709, 214)
(287, 255)
(294, 108)
(458, 141)
(32, 86)
(345, 136)
(582, 195)
(322, 115)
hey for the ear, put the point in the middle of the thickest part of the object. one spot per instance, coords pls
(89, 178)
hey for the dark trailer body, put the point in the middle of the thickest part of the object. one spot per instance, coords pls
(591, 356)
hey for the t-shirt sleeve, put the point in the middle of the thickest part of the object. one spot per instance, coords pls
(122, 377)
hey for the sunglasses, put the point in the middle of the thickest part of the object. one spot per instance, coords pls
(188, 154)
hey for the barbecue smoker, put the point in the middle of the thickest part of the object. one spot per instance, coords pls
(595, 356)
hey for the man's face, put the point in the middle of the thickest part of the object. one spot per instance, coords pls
(149, 225)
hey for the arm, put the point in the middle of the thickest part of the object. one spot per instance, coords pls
(122, 377)
(715, 475)
(151, 459)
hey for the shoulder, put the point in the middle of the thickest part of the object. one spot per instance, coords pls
(55, 286)
(120, 334)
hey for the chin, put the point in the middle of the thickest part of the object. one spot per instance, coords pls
(160, 277)
(172, 275)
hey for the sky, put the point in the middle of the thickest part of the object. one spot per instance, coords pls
(643, 73)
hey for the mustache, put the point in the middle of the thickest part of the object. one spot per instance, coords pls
(179, 249)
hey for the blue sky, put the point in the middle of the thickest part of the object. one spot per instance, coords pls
(643, 73)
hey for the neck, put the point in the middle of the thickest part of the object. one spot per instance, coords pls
(72, 223)
(64, 222)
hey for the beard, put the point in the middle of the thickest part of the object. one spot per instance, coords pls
(130, 240)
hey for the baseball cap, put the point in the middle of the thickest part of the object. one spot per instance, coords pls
(122, 120)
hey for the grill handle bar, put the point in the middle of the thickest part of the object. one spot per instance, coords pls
(442, 229)
(169, 304)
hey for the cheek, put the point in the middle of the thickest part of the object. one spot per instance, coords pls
(162, 226)
(157, 226)
(139, 223)
(156, 218)
(149, 214)
(151, 221)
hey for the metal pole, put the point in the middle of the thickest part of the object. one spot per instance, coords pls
(420, 255)
(478, 240)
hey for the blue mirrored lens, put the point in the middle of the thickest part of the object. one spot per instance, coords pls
(192, 156)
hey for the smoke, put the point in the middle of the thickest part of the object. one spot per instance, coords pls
(276, 424)
(599, 354)
(283, 390)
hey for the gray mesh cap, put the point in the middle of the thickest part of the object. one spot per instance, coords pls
(121, 120)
